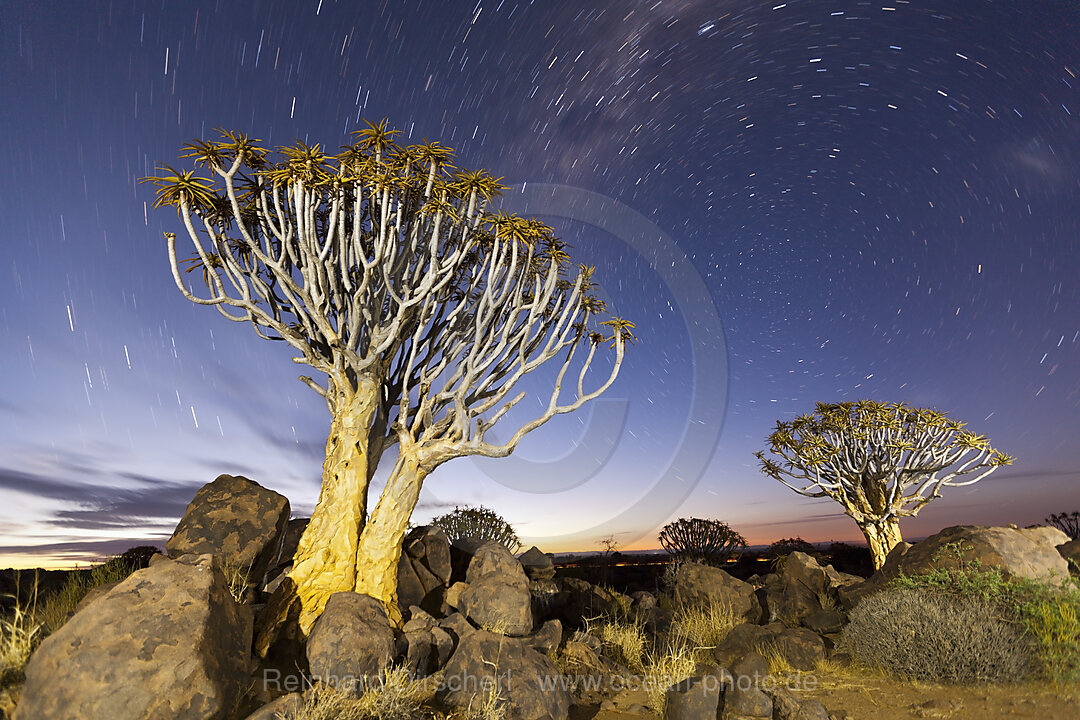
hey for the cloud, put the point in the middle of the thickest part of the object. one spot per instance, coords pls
(152, 503)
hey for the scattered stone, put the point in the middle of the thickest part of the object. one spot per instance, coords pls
(537, 565)
(693, 699)
(811, 709)
(286, 707)
(548, 638)
(825, 622)
(486, 663)
(236, 519)
(802, 648)
(702, 585)
(746, 703)
(167, 643)
(351, 643)
(750, 668)
(452, 597)
(785, 704)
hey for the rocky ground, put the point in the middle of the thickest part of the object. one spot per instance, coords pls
(762, 647)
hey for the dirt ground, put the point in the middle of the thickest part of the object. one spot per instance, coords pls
(855, 696)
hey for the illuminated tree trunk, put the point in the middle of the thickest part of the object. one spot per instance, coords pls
(882, 536)
(379, 550)
(325, 560)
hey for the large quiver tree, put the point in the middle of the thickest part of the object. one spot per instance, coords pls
(880, 461)
(383, 268)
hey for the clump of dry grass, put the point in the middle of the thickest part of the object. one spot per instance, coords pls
(18, 637)
(394, 696)
(703, 627)
(664, 668)
(624, 642)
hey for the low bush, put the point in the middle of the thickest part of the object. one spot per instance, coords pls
(927, 635)
(1048, 614)
(702, 628)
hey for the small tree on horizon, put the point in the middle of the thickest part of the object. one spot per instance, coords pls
(383, 268)
(480, 523)
(1068, 523)
(708, 541)
(880, 461)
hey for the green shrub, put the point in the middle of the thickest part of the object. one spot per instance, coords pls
(479, 523)
(1048, 614)
(929, 635)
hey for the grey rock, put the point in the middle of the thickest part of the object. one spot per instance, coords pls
(498, 606)
(492, 561)
(485, 662)
(548, 638)
(701, 585)
(536, 564)
(693, 699)
(825, 622)
(237, 519)
(746, 703)
(168, 642)
(351, 643)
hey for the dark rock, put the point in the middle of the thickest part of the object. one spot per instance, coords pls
(702, 585)
(825, 622)
(741, 640)
(536, 564)
(457, 626)
(544, 595)
(421, 658)
(286, 707)
(1071, 552)
(486, 663)
(801, 647)
(236, 519)
(811, 709)
(785, 704)
(294, 530)
(351, 643)
(578, 600)
(498, 607)
(642, 602)
(693, 699)
(491, 561)
(444, 646)
(746, 703)
(497, 596)
(168, 642)
(410, 591)
(548, 638)
(750, 669)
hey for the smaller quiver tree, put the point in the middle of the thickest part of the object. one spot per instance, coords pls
(880, 461)
(480, 523)
(697, 539)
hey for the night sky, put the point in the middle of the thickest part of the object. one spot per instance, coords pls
(795, 202)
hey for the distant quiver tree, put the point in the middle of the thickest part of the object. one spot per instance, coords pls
(880, 461)
(480, 523)
(708, 541)
(1068, 523)
(383, 267)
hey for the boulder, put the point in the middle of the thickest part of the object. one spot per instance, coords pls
(525, 681)
(741, 640)
(1018, 552)
(825, 622)
(168, 642)
(498, 607)
(801, 647)
(537, 565)
(692, 699)
(548, 638)
(351, 643)
(702, 585)
(801, 588)
(1071, 552)
(424, 568)
(744, 702)
(237, 519)
(497, 595)
(580, 600)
